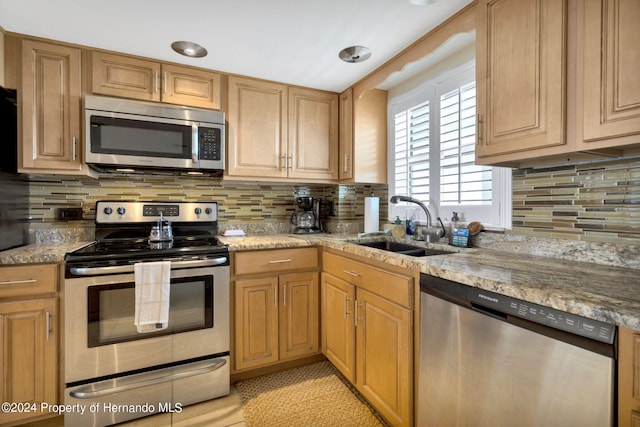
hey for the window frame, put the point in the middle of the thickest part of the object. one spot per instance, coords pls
(498, 215)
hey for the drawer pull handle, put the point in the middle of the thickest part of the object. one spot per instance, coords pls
(351, 273)
(18, 282)
(279, 261)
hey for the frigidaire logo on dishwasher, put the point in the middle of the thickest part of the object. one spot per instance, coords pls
(487, 297)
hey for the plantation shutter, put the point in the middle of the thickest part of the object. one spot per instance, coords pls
(411, 147)
(461, 181)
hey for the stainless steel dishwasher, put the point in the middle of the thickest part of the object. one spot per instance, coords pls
(490, 360)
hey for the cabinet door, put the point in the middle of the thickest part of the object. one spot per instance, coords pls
(50, 108)
(337, 324)
(188, 86)
(298, 312)
(384, 359)
(124, 76)
(313, 134)
(256, 322)
(370, 137)
(521, 57)
(257, 117)
(29, 357)
(628, 378)
(610, 83)
(345, 160)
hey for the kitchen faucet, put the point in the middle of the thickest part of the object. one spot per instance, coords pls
(397, 199)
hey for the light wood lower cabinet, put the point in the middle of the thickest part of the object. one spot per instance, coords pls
(367, 336)
(628, 378)
(276, 315)
(29, 335)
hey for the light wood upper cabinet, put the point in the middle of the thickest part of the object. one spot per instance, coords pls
(123, 76)
(557, 81)
(608, 64)
(313, 134)
(257, 130)
(50, 109)
(363, 137)
(138, 78)
(281, 133)
(521, 62)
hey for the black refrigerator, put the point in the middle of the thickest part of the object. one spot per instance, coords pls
(14, 188)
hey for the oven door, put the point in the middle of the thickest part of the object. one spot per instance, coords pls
(101, 338)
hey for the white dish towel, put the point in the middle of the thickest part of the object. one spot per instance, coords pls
(152, 280)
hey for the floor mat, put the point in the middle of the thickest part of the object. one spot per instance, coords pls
(312, 395)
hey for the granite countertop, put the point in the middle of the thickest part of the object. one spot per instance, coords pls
(39, 253)
(608, 294)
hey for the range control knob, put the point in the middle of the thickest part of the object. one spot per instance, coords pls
(198, 211)
(208, 211)
(108, 210)
(121, 210)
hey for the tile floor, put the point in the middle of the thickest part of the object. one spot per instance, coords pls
(221, 412)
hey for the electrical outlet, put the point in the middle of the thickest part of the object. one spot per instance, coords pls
(69, 214)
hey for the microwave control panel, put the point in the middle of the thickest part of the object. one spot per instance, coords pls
(210, 143)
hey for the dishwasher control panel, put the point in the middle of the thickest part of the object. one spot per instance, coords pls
(551, 317)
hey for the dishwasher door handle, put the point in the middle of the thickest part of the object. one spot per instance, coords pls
(488, 311)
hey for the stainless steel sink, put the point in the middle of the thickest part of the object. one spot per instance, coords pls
(405, 249)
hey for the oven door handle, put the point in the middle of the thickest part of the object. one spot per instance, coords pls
(129, 268)
(119, 385)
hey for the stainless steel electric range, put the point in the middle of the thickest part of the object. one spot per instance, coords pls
(117, 373)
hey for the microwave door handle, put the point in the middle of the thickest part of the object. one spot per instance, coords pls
(94, 271)
(195, 146)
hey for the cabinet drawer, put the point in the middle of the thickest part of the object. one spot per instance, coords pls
(274, 261)
(23, 280)
(391, 286)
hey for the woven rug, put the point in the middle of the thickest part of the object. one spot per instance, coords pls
(312, 395)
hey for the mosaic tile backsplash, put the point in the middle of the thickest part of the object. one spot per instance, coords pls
(256, 208)
(591, 202)
(596, 202)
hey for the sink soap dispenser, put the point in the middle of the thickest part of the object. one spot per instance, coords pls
(455, 224)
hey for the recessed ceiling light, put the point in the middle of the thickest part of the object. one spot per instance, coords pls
(422, 2)
(193, 50)
(354, 54)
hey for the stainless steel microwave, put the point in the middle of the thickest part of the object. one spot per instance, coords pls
(123, 133)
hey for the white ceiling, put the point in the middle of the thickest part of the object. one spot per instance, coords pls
(290, 41)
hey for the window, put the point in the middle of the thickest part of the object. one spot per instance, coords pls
(433, 154)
